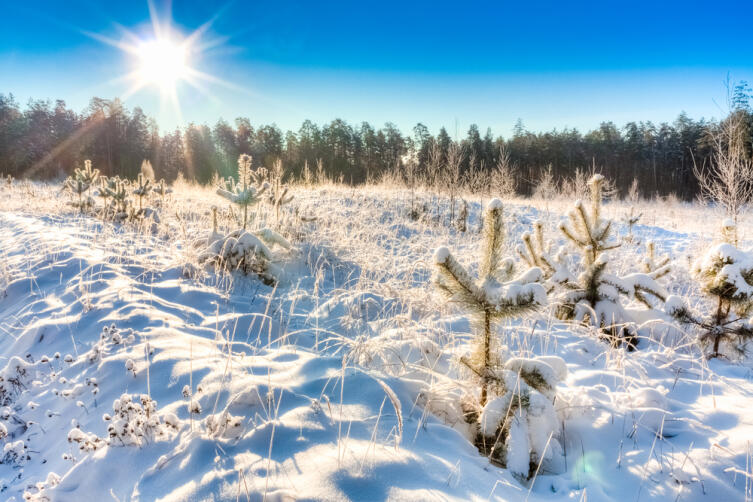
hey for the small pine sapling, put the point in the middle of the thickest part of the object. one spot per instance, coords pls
(161, 189)
(81, 182)
(725, 274)
(248, 252)
(78, 187)
(243, 193)
(631, 219)
(117, 190)
(87, 174)
(141, 189)
(514, 420)
(594, 296)
(496, 295)
(656, 266)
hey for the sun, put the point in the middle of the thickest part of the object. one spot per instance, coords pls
(162, 62)
(163, 58)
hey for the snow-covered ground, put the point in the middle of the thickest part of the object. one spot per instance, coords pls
(342, 381)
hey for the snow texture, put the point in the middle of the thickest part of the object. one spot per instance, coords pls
(341, 383)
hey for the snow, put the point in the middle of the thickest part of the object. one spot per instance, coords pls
(342, 382)
(441, 254)
(494, 204)
(674, 304)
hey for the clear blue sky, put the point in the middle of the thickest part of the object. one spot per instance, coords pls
(552, 64)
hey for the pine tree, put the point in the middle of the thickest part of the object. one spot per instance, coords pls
(631, 219)
(161, 189)
(102, 192)
(81, 183)
(244, 193)
(496, 295)
(142, 188)
(117, 190)
(594, 296)
(725, 274)
(514, 420)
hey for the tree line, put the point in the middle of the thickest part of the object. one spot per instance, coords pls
(46, 140)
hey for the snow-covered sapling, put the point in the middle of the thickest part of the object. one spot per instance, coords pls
(496, 295)
(514, 421)
(631, 219)
(81, 182)
(103, 183)
(117, 190)
(141, 189)
(162, 190)
(656, 266)
(241, 249)
(725, 274)
(243, 193)
(594, 296)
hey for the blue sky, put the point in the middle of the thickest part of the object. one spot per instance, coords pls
(552, 64)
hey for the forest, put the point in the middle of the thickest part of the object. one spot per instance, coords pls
(44, 140)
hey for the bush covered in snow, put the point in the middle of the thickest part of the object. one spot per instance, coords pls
(134, 422)
(244, 250)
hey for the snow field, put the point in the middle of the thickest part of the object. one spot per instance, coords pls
(342, 381)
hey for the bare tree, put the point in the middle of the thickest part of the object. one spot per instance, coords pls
(503, 182)
(434, 166)
(633, 194)
(576, 186)
(455, 155)
(728, 179)
(410, 167)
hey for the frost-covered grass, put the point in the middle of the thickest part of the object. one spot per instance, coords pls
(342, 381)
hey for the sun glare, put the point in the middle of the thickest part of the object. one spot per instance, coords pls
(164, 59)
(162, 62)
